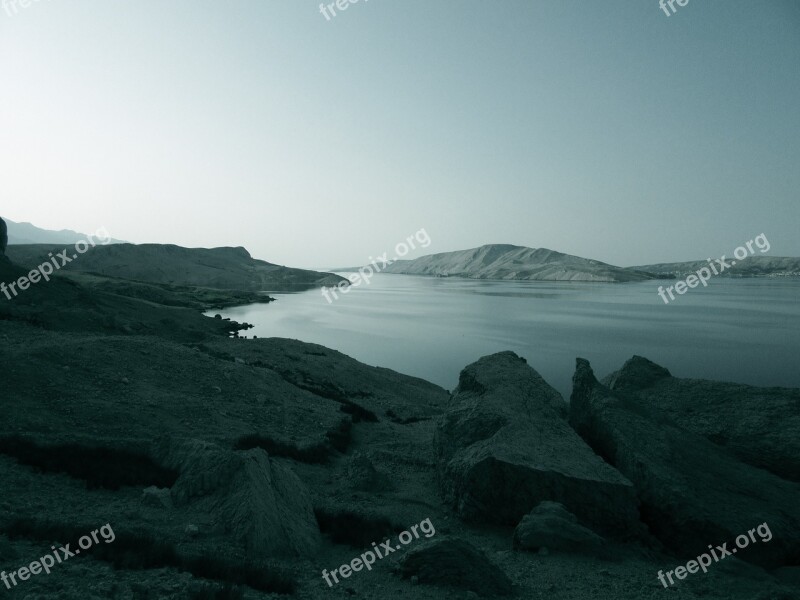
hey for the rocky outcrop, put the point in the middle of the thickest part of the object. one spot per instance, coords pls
(504, 445)
(552, 526)
(369, 394)
(455, 563)
(263, 505)
(761, 426)
(693, 493)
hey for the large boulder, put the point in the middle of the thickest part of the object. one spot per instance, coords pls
(504, 445)
(552, 526)
(260, 502)
(455, 563)
(761, 426)
(693, 493)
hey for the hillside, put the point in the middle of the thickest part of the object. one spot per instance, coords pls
(251, 469)
(753, 266)
(221, 268)
(504, 261)
(27, 233)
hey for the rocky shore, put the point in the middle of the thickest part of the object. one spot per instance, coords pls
(241, 468)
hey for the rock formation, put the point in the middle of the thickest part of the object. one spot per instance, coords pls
(504, 445)
(693, 493)
(761, 426)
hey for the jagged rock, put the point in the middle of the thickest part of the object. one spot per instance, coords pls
(693, 493)
(761, 426)
(157, 497)
(503, 446)
(550, 525)
(455, 563)
(637, 373)
(262, 503)
(3, 236)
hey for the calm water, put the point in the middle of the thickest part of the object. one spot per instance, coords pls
(745, 330)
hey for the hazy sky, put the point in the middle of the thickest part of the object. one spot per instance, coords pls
(599, 128)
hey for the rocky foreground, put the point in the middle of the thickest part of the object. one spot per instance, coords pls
(243, 468)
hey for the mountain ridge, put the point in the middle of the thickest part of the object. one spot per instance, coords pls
(510, 262)
(27, 233)
(220, 268)
(752, 266)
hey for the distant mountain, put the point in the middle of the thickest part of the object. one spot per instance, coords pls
(221, 268)
(27, 233)
(504, 261)
(753, 266)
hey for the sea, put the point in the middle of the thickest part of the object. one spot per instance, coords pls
(743, 330)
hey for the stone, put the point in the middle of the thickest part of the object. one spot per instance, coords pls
(761, 426)
(504, 445)
(455, 563)
(551, 526)
(693, 492)
(264, 505)
(157, 497)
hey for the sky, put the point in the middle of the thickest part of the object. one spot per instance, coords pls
(604, 129)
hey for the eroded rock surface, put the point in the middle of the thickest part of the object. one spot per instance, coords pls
(693, 493)
(504, 446)
(761, 426)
